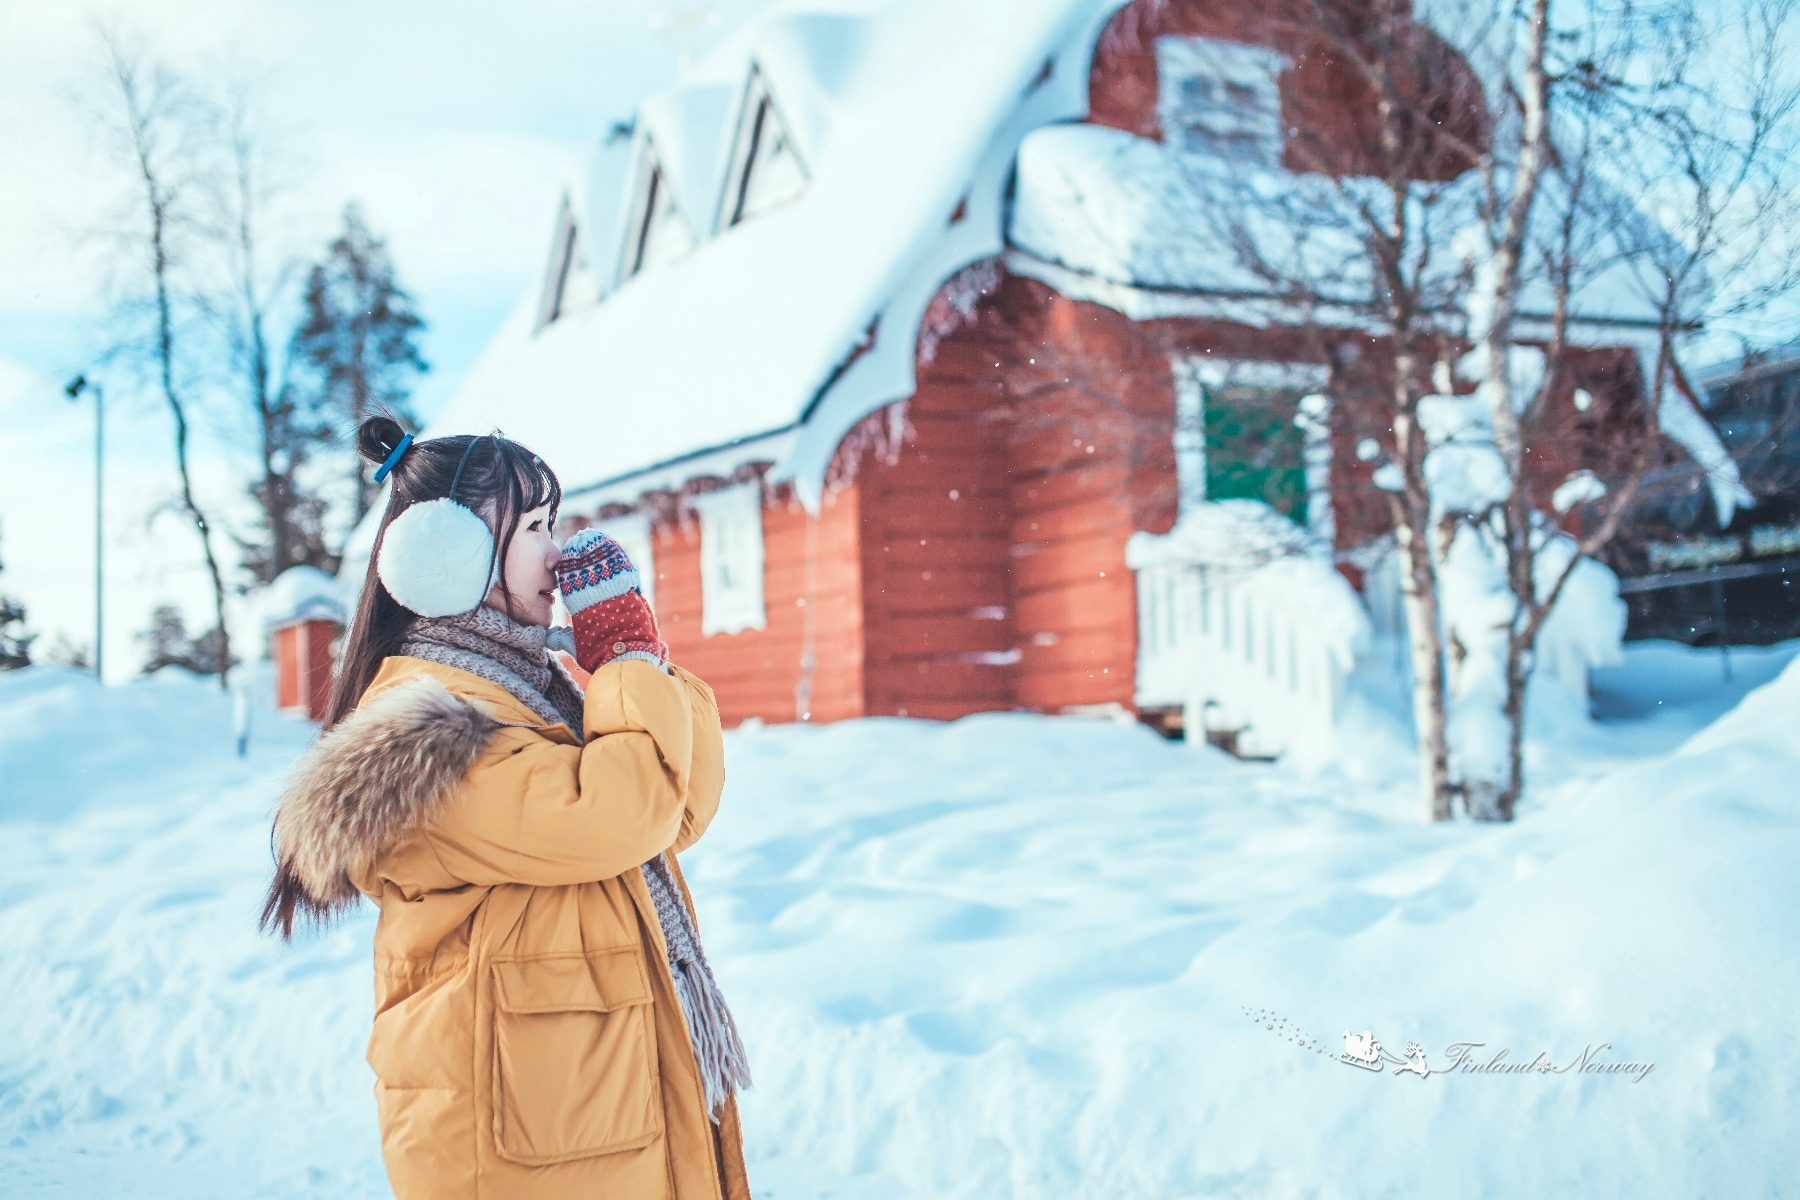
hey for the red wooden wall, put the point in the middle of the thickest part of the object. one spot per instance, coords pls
(935, 539)
(1092, 462)
(994, 549)
(756, 673)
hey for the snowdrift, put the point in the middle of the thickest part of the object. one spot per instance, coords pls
(1011, 956)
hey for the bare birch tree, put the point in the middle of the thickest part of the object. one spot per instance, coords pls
(252, 291)
(1615, 101)
(154, 122)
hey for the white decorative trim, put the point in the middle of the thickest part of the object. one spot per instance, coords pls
(1193, 374)
(1190, 433)
(731, 559)
(658, 231)
(1218, 372)
(563, 250)
(721, 462)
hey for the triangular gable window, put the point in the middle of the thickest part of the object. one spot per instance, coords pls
(766, 170)
(565, 262)
(659, 233)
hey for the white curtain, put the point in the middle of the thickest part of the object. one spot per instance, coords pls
(731, 559)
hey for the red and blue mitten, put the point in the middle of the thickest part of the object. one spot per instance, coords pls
(600, 589)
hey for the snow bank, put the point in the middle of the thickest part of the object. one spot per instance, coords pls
(1024, 981)
(155, 1045)
(1007, 956)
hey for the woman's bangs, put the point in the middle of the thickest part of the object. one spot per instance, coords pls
(538, 484)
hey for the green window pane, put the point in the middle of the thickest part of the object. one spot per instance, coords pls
(1253, 449)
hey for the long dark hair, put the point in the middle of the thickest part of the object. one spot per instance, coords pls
(501, 480)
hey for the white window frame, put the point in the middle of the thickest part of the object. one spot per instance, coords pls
(1190, 434)
(565, 262)
(633, 533)
(654, 213)
(731, 559)
(1194, 375)
(759, 122)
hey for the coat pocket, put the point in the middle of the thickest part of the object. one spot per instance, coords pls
(574, 1072)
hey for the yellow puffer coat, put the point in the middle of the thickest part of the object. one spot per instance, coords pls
(528, 1041)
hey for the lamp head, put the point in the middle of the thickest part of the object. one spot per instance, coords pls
(76, 386)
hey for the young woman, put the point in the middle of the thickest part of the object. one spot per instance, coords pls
(546, 1024)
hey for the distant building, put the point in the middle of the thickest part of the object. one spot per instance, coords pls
(1689, 576)
(877, 338)
(303, 617)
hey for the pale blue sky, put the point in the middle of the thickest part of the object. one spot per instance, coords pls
(452, 123)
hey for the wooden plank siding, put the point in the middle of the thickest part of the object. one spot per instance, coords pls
(1109, 387)
(756, 673)
(994, 547)
(934, 554)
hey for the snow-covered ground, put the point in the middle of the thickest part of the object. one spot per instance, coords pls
(1011, 956)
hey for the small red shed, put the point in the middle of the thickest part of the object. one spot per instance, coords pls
(303, 619)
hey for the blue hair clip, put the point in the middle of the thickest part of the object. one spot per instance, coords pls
(381, 472)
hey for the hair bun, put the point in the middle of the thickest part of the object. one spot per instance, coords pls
(377, 437)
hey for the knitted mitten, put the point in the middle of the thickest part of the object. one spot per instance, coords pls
(600, 589)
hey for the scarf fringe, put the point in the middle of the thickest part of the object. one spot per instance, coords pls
(718, 1050)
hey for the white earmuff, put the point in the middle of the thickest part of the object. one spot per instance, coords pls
(437, 558)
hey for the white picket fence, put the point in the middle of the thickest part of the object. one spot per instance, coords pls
(1262, 652)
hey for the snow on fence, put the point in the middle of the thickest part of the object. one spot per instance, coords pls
(1242, 629)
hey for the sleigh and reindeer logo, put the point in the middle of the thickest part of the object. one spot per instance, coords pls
(1363, 1050)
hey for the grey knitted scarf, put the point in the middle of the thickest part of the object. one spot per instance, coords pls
(488, 644)
(492, 645)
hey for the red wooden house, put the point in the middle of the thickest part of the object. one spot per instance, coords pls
(854, 340)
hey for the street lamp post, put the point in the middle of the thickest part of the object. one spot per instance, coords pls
(74, 389)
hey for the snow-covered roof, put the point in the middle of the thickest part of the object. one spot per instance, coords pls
(1133, 223)
(748, 334)
(1739, 369)
(300, 594)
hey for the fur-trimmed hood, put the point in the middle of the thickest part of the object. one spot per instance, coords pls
(385, 769)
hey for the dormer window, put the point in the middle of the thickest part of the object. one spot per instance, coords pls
(659, 233)
(766, 170)
(567, 278)
(1220, 98)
